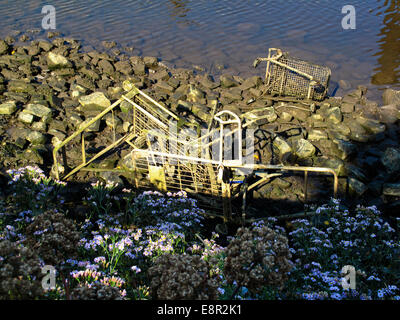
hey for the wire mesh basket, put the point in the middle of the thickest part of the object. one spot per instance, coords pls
(288, 76)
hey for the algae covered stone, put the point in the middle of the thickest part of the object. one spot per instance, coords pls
(8, 108)
(94, 101)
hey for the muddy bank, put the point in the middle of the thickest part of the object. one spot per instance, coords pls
(48, 88)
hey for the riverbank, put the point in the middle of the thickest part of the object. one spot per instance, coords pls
(47, 91)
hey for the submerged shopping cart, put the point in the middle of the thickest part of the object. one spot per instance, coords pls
(169, 154)
(286, 76)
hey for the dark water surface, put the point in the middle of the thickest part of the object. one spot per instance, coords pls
(211, 34)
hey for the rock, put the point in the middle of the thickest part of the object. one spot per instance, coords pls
(8, 108)
(75, 120)
(358, 133)
(357, 187)
(334, 115)
(233, 94)
(4, 47)
(372, 126)
(345, 149)
(316, 135)
(94, 127)
(389, 114)
(195, 94)
(45, 45)
(139, 68)
(55, 61)
(227, 81)
(17, 133)
(106, 67)
(96, 101)
(109, 44)
(21, 86)
(282, 147)
(208, 82)
(347, 107)
(391, 160)
(25, 117)
(356, 172)
(298, 114)
(252, 82)
(164, 87)
(38, 110)
(116, 123)
(304, 149)
(36, 137)
(124, 67)
(150, 62)
(391, 189)
(391, 96)
(39, 126)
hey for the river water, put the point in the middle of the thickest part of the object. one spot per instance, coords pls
(230, 34)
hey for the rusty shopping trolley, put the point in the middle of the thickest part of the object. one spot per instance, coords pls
(288, 76)
(168, 157)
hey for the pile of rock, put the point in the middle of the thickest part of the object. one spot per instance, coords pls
(49, 89)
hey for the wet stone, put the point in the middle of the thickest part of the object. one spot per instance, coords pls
(4, 47)
(391, 96)
(389, 114)
(150, 62)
